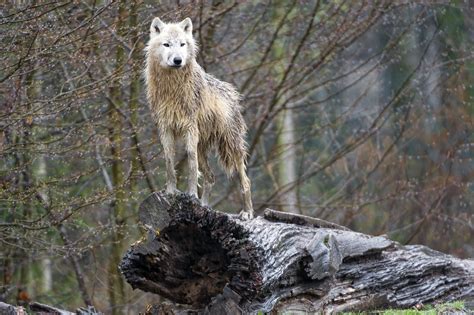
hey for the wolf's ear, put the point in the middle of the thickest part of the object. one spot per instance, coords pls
(187, 25)
(157, 26)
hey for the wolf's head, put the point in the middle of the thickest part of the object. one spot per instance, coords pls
(172, 44)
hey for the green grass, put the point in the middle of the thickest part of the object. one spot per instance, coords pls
(457, 306)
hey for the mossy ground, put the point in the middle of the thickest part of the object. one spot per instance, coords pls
(456, 307)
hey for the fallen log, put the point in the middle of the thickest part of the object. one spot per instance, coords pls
(7, 309)
(207, 261)
(41, 309)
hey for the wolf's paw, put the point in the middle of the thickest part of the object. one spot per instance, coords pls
(204, 202)
(192, 194)
(246, 215)
(172, 191)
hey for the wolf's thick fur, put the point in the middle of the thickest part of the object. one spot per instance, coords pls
(188, 103)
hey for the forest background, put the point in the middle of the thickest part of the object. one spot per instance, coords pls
(359, 112)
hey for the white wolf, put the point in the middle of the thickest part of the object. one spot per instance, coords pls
(189, 104)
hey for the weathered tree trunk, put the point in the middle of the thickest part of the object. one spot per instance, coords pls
(213, 262)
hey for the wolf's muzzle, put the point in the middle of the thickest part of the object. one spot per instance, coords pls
(177, 61)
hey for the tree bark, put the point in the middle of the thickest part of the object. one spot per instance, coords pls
(216, 263)
(116, 286)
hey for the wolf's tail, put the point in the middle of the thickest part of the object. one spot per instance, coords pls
(232, 150)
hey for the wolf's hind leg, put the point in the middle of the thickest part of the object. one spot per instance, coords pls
(168, 142)
(247, 213)
(209, 178)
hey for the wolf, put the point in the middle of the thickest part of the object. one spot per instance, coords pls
(190, 105)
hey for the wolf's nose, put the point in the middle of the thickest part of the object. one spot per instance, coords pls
(177, 61)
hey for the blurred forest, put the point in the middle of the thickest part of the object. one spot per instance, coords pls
(359, 112)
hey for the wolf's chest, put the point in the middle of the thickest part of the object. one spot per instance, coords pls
(177, 111)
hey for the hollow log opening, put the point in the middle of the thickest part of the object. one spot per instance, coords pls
(193, 256)
(198, 265)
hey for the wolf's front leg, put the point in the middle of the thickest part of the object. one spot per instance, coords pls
(168, 142)
(192, 139)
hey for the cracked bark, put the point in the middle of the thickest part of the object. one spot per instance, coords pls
(211, 262)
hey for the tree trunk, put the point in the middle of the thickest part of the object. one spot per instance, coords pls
(287, 161)
(280, 262)
(116, 286)
(135, 83)
(74, 259)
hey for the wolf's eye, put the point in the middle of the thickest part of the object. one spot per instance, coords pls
(166, 45)
(182, 44)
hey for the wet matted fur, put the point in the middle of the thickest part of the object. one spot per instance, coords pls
(188, 103)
